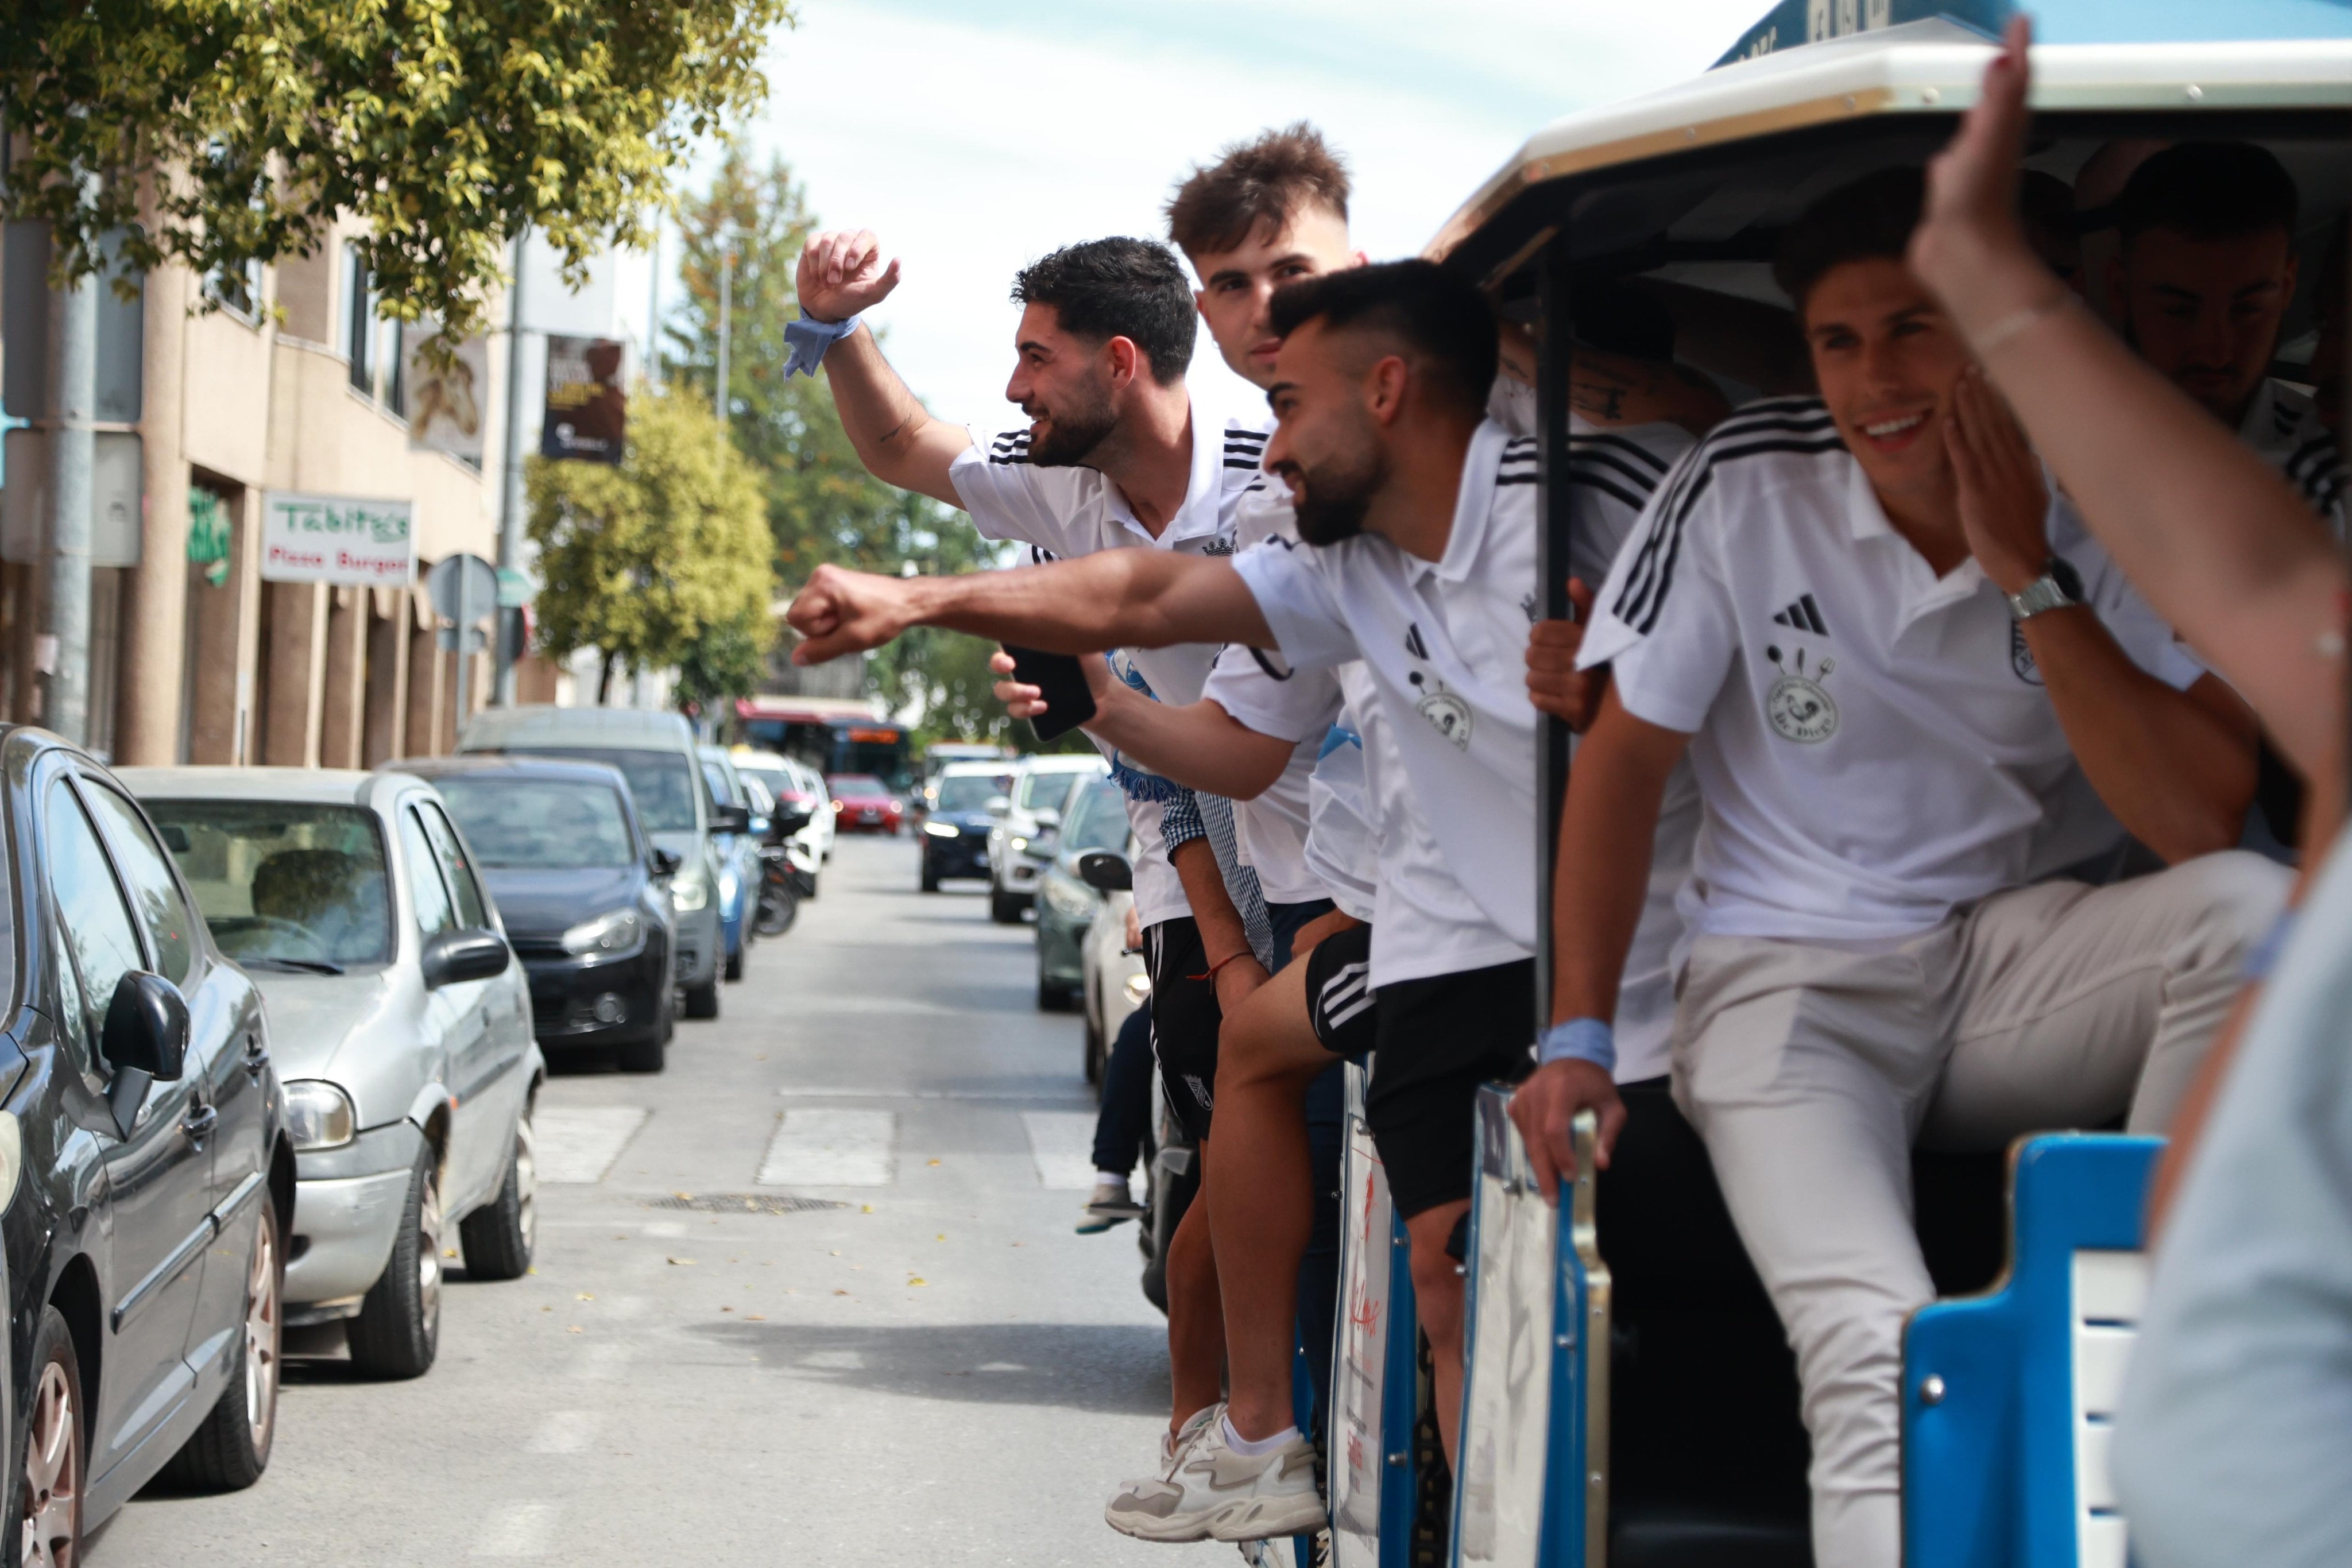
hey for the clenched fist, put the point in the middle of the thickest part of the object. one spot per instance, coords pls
(1554, 683)
(841, 273)
(842, 611)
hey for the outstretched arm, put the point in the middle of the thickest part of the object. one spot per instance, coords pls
(842, 275)
(2214, 540)
(1113, 598)
(1198, 745)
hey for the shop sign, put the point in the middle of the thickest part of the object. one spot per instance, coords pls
(336, 538)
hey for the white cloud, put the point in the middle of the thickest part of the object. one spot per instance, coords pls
(974, 139)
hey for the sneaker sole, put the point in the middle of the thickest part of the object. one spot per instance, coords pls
(1269, 1518)
(1178, 1531)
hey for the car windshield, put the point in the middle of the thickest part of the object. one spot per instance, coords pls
(1099, 821)
(861, 784)
(1043, 789)
(722, 787)
(539, 824)
(970, 791)
(779, 783)
(661, 783)
(283, 883)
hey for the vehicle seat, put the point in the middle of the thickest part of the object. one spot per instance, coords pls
(1707, 1451)
(331, 894)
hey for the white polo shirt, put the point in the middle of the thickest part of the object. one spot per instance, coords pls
(2283, 425)
(1272, 828)
(1873, 744)
(1067, 512)
(1448, 731)
(1342, 840)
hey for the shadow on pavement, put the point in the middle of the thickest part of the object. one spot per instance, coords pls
(1115, 1369)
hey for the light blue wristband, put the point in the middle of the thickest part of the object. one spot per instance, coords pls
(1580, 1040)
(808, 340)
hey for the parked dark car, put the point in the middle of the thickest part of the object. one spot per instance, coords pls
(143, 1150)
(585, 893)
(964, 803)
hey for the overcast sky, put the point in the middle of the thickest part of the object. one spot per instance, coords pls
(974, 138)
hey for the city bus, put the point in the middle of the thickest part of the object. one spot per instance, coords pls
(1630, 1397)
(832, 735)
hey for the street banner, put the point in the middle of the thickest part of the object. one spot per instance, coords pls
(586, 410)
(336, 538)
(445, 402)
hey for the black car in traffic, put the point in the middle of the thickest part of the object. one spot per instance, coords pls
(143, 1154)
(585, 893)
(963, 805)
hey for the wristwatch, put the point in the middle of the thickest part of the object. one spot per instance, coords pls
(2059, 587)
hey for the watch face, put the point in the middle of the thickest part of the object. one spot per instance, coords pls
(2068, 580)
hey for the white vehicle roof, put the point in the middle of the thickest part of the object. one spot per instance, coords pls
(1067, 762)
(996, 769)
(630, 728)
(308, 786)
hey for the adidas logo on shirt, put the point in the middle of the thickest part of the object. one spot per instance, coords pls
(1804, 615)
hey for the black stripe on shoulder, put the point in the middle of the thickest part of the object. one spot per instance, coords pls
(1518, 443)
(1643, 598)
(1247, 464)
(1593, 462)
(2317, 454)
(1235, 433)
(1008, 459)
(1515, 479)
(1632, 500)
(1633, 449)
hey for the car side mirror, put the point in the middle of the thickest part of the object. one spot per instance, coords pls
(998, 805)
(663, 861)
(1048, 819)
(145, 1040)
(730, 818)
(1106, 872)
(472, 955)
(786, 824)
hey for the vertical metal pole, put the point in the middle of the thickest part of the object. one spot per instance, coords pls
(725, 323)
(465, 653)
(73, 445)
(511, 497)
(1555, 335)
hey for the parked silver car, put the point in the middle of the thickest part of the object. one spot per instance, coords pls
(401, 1026)
(1022, 845)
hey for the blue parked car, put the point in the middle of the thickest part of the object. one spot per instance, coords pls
(739, 860)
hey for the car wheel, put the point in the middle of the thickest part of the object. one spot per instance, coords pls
(1094, 1049)
(1002, 907)
(930, 877)
(231, 1449)
(702, 1001)
(51, 1476)
(734, 971)
(1053, 998)
(398, 1330)
(499, 1237)
(643, 1055)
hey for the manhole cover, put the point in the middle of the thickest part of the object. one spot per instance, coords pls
(742, 1203)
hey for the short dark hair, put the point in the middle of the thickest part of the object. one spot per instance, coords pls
(1440, 315)
(2209, 190)
(1119, 288)
(1263, 180)
(1869, 219)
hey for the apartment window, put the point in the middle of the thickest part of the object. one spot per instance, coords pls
(237, 290)
(359, 328)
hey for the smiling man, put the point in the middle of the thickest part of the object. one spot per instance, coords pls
(1913, 690)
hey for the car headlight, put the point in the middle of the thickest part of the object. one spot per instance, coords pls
(1068, 900)
(319, 1115)
(1139, 987)
(608, 936)
(1020, 844)
(691, 891)
(938, 830)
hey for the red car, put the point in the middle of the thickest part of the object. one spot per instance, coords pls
(861, 804)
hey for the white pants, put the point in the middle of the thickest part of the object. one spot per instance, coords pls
(1810, 1071)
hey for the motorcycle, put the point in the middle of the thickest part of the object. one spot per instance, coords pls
(783, 882)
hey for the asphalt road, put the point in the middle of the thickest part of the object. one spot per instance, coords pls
(927, 1367)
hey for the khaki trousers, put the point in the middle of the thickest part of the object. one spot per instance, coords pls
(1810, 1071)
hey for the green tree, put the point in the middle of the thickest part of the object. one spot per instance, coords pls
(221, 132)
(660, 561)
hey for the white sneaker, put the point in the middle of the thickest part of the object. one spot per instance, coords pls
(1173, 1446)
(1211, 1492)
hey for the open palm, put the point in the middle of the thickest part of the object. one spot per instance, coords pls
(841, 273)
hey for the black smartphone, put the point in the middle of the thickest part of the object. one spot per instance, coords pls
(1059, 677)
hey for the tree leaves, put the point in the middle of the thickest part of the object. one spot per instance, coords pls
(228, 131)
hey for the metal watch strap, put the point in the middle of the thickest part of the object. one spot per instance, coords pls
(2044, 592)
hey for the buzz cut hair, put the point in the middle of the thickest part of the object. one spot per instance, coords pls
(1869, 219)
(1439, 315)
(2208, 191)
(1119, 288)
(1262, 181)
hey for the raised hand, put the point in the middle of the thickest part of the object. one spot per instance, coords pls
(842, 611)
(841, 272)
(1971, 246)
(1554, 683)
(2004, 505)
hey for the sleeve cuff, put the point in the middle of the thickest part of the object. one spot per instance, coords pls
(1580, 1040)
(807, 340)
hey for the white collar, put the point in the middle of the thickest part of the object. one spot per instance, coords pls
(1923, 591)
(1201, 512)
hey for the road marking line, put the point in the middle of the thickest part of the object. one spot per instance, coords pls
(580, 1142)
(1062, 1143)
(526, 1529)
(567, 1432)
(832, 1148)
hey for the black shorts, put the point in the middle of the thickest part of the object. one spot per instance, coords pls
(1437, 1041)
(1340, 1002)
(1185, 1018)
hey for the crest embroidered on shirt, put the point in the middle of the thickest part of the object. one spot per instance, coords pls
(1222, 545)
(1798, 707)
(1446, 713)
(1528, 607)
(2020, 656)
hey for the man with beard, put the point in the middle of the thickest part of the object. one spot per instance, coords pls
(1419, 515)
(1121, 457)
